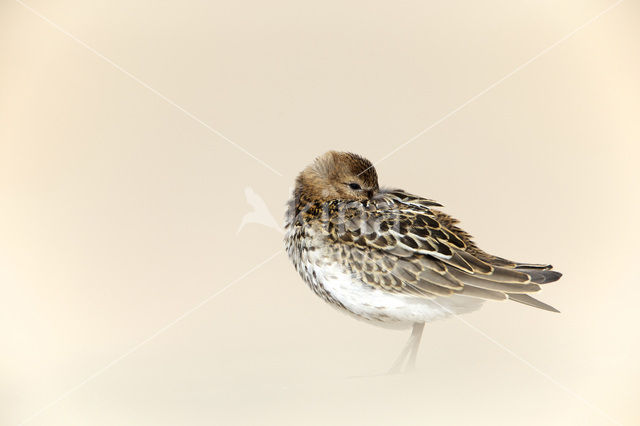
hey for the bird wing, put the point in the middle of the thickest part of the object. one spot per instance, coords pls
(397, 243)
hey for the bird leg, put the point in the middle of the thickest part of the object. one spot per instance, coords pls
(397, 364)
(416, 335)
(410, 350)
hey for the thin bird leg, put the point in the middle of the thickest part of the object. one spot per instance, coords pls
(397, 364)
(412, 345)
(416, 335)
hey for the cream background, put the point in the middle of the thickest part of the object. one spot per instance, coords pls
(118, 212)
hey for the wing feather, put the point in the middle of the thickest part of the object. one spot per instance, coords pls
(398, 244)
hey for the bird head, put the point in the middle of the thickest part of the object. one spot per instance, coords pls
(338, 176)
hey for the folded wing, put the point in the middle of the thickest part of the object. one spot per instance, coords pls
(399, 244)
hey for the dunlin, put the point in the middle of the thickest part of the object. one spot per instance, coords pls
(390, 257)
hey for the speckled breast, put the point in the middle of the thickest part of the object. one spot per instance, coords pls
(304, 247)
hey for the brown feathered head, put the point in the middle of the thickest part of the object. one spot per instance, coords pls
(337, 176)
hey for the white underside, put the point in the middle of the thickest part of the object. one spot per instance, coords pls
(387, 309)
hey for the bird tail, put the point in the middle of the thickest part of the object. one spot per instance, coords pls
(528, 300)
(540, 273)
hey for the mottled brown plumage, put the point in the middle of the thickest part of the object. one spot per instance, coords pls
(373, 251)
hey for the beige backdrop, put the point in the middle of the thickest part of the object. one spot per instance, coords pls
(119, 210)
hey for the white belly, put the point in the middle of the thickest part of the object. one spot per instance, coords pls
(388, 309)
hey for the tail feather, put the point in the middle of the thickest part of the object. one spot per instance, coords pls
(541, 276)
(542, 266)
(528, 300)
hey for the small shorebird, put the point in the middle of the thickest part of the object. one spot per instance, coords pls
(391, 258)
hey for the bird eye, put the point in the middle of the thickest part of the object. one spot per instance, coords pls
(354, 186)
